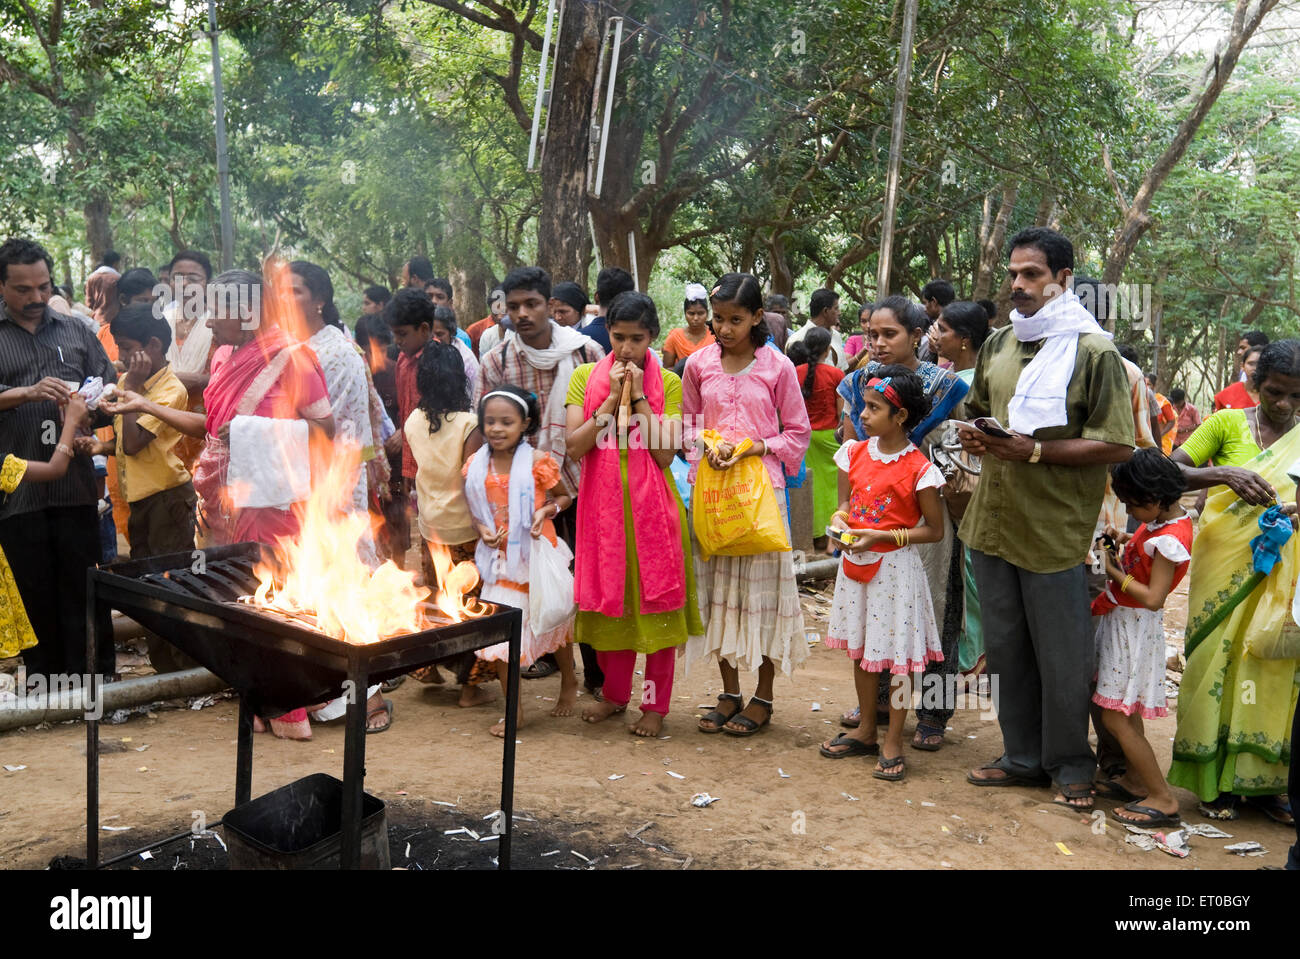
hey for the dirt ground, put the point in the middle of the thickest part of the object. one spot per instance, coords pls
(582, 789)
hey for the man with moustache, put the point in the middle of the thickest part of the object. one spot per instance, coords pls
(49, 531)
(1053, 378)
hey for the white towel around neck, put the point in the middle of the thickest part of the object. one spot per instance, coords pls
(1039, 400)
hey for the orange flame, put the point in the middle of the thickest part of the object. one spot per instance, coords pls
(319, 578)
(456, 581)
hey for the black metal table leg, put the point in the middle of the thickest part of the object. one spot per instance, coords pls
(244, 753)
(354, 766)
(92, 725)
(508, 754)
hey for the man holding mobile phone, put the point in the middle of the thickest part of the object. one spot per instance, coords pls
(1055, 380)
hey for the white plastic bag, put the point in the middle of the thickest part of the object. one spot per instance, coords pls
(550, 586)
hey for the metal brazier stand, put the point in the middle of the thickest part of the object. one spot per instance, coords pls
(277, 664)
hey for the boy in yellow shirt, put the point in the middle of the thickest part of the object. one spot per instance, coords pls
(152, 476)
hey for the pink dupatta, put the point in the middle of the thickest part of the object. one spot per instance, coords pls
(600, 565)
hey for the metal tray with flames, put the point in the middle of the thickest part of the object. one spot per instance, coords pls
(278, 662)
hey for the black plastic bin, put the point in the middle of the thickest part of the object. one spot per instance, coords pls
(298, 826)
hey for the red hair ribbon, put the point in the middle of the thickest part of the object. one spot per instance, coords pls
(883, 387)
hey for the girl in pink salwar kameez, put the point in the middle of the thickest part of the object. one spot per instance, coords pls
(742, 387)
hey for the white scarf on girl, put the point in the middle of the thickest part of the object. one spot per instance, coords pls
(1039, 400)
(520, 516)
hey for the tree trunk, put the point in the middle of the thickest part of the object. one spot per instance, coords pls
(564, 239)
(991, 251)
(1137, 219)
(781, 276)
(467, 270)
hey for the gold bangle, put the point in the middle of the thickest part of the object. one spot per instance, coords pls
(1123, 587)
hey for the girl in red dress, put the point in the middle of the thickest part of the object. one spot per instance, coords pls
(1130, 626)
(882, 613)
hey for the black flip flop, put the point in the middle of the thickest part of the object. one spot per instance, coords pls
(1076, 792)
(1113, 790)
(887, 767)
(855, 748)
(1010, 779)
(1157, 817)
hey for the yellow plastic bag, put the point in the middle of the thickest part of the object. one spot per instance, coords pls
(735, 509)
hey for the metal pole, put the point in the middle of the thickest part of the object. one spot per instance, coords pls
(896, 149)
(541, 89)
(223, 163)
(631, 253)
(93, 640)
(609, 101)
(508, 750)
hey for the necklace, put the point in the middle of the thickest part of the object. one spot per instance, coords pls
(1256, 432)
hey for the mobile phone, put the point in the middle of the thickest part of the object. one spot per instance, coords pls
(989, 425)
(841, 537)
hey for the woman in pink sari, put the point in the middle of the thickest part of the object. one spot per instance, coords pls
(257, 370)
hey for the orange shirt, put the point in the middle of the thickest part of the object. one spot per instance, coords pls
(1167, 416)
(681, 346)
(1234, 397)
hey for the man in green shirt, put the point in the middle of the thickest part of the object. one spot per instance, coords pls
(1052, 377)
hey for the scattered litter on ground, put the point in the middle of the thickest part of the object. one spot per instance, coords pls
(674, 775)
(1246, 849)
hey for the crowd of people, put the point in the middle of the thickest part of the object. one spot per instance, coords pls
(1016, 500)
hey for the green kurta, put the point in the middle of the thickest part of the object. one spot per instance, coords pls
(652, 632)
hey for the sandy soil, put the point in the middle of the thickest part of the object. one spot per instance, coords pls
(781, 804)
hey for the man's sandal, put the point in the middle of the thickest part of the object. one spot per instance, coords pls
(718, 718)
(1076, 791)
(1009, 779)
(891, 770)
(749, 727)
(852, 747)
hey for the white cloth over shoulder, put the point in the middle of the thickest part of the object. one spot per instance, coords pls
(1039, 400)
(269, 463)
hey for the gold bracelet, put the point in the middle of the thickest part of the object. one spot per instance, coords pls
(1123, 587)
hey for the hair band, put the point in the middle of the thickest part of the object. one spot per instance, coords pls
(508, 395)
(885, 389)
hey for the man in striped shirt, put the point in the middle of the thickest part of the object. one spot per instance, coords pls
(49, 531)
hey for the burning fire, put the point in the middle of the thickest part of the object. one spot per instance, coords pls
(319, 578)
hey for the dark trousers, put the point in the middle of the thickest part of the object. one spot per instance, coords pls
(49, 552)
(566, 527)
(162, 523)
(1038, 635)
(938, 689)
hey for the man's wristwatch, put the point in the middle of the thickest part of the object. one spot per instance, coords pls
(1037, 454)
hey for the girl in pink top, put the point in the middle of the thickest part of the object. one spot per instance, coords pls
(750, 604)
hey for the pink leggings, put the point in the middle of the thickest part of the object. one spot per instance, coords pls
(658, 690)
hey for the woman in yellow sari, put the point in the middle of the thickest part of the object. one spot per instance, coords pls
(1237, 699)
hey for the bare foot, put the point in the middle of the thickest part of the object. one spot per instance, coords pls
(568, 700)
(601, 711)
(499, 730)
(650, 724)
(471, 696)
(258, 725)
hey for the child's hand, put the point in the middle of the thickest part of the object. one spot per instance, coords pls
(491, 538)
(545, 512)
(123, 402)
(86, 446)
(137, 371)
(393, 445)
(75, 413)
(865, 540)
(616, 373)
